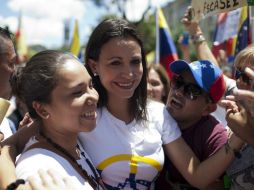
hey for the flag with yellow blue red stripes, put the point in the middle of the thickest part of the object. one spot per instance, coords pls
(167, 48)
(243, 37)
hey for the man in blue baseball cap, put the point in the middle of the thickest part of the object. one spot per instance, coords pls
(195, 89)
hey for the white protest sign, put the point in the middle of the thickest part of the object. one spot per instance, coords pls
(204, 8)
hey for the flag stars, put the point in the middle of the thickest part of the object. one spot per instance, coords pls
(203, 65)
(212, 66)
(195, 67)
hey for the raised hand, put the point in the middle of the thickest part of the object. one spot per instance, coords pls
(239, 120)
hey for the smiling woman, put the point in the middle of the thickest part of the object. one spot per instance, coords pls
(60, 98)
(126, 145)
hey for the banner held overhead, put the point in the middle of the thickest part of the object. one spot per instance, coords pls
(204, 8)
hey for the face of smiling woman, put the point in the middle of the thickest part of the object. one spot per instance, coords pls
(73, 101)
(120, 68)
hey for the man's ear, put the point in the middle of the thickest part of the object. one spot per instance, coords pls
(40, 110)
(93, 66)
(210, 107)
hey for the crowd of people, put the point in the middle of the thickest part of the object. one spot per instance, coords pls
(120, 123)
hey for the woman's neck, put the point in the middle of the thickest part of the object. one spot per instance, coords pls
(68, 141)
(120, 109)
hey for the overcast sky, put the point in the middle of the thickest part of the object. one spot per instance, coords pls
(43, 20)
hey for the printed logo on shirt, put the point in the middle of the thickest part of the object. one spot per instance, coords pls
(134, 160)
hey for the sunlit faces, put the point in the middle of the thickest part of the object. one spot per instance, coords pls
(120, 67)
(7, 62)
(73, 101)
(184, 109)
(155, 86)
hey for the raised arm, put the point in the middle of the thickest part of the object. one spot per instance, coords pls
(202, 49)
(201, 46)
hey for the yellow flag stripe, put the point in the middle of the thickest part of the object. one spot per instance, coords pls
(162, 20)
(244, 15)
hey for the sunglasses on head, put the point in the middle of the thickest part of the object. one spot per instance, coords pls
(241, 74)
(190, 90)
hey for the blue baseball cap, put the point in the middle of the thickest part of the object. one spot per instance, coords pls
(207, 75)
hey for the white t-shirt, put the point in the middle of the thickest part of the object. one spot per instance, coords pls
(5, 128)
(34, 159)
(130, 156)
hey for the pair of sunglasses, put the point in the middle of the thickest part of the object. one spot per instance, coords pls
(240, 74)
(190, 90)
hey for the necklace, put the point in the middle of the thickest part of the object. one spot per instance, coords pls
(93, 182)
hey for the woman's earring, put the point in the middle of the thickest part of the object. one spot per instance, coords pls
(95, 74)
(46, 115)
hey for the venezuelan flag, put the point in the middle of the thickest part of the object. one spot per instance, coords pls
(167, 48)
(226, 33)
(232, 32)
(243, 37)
(75, 44)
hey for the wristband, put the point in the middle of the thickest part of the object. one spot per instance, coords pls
(229, 148)
(15, 184)
(198, 38)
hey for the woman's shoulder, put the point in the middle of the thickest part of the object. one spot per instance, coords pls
(38, 154)
(32, 160)
(36, 159)
(36, 151)
(154, 106)
(157, 110)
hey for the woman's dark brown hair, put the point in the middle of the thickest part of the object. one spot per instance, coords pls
(103, 33)
(36, 81)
